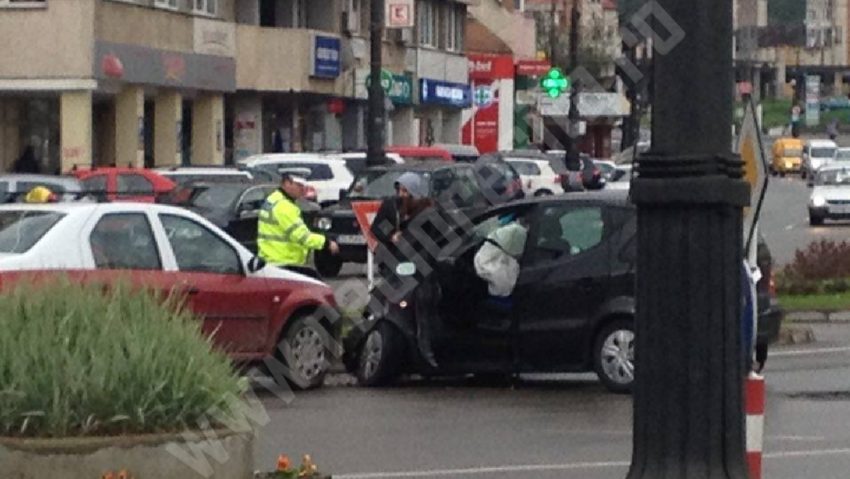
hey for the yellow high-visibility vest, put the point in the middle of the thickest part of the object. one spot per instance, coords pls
(282, 236)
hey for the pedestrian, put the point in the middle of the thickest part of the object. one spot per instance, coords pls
(399, 231)
(832, 129)
(27, 162)
(282, 237)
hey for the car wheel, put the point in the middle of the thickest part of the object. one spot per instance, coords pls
(539, 193)
(381, 355)
(327, 264)
(803, 174)
(305, 350)
(614, 356)
(815, 220)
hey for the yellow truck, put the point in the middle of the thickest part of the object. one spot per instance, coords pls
(787, 156)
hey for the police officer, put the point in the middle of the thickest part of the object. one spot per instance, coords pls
(282, 237)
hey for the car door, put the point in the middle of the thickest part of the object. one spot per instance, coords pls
(134, 187)
(243, 223)
(235, 307)
(563, 282)
(121, 246)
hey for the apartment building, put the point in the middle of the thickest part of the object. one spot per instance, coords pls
(164, 82)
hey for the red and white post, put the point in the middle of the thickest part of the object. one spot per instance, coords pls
(755, 398)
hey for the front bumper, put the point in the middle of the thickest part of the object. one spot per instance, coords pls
(829, 211)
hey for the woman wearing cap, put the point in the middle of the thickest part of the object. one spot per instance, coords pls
(397, 243)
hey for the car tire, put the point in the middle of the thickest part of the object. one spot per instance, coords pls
(327, 264)
(802, 174)
(381, 355)
(815, 220)
(539, 193)
(306, 352)
(614, 355)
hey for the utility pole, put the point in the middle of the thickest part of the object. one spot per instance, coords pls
(553, 34)
(573, 116)
(375, 122)
(688, 396)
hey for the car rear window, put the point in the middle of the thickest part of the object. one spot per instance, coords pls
(183, 178)
(527, 168)
(20, 230)
(379, 184)
(425, 159)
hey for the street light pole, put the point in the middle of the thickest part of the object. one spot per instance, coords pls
(688, 405)
(375, 121)
(573, 115)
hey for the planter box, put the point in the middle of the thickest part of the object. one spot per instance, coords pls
(229, 456)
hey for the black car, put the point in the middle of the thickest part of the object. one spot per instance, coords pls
(232, 206)
(471, 188)
(572, 309)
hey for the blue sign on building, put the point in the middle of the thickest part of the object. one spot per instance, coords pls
(435, 92)
(326, 57)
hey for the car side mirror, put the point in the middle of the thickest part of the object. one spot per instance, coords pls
(255, 264)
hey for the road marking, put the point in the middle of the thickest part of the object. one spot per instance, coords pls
(813, 452)
(477, 471)
(485, 470)
(809, 352)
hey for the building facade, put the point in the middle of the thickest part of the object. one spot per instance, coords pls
(168, 82)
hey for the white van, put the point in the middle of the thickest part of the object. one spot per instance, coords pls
(817, 153)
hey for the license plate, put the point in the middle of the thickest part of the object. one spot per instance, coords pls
(839, 209)
(351, 239)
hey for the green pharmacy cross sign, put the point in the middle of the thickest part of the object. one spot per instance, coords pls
(555, 83)
(386, 80)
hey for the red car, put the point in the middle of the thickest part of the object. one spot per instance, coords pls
(254, 313)
(124, 183)
(420, 153)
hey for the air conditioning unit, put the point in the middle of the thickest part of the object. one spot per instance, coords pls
(406, 35)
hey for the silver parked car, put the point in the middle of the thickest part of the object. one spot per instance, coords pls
(14, 186)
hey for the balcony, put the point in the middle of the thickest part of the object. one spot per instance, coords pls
(279, 60)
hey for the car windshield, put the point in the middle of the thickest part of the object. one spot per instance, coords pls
(378, 184)
(20, 230)
(834, 177)
(826, 152)
(216, 196)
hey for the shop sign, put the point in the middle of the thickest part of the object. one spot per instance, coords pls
(325, 57)
(400, 88)
(435, 92)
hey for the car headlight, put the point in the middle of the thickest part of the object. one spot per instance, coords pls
(324, 224)
(818, 201)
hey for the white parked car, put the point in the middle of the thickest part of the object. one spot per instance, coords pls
(817, 153)
(621, 178)
(187, 174)
(246, 307)
(830, 198)
(356, 161)
(327, 174)
(537, 175)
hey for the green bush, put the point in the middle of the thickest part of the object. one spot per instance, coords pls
(86, 360)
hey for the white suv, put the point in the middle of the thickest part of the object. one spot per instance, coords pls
(817, 153)
(538, 177)
(327, 174)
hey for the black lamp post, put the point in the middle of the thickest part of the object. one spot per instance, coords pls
(688, 398)
(375, 121)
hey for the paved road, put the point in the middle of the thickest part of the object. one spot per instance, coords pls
(563, 426)
(785, 219)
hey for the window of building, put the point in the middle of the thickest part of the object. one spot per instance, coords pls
(206, 7)
(427, 22)
(453, 27)
(169, 4)
(22, 3)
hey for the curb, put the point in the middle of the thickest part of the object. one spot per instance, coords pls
(789, 335)
(818, 316)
